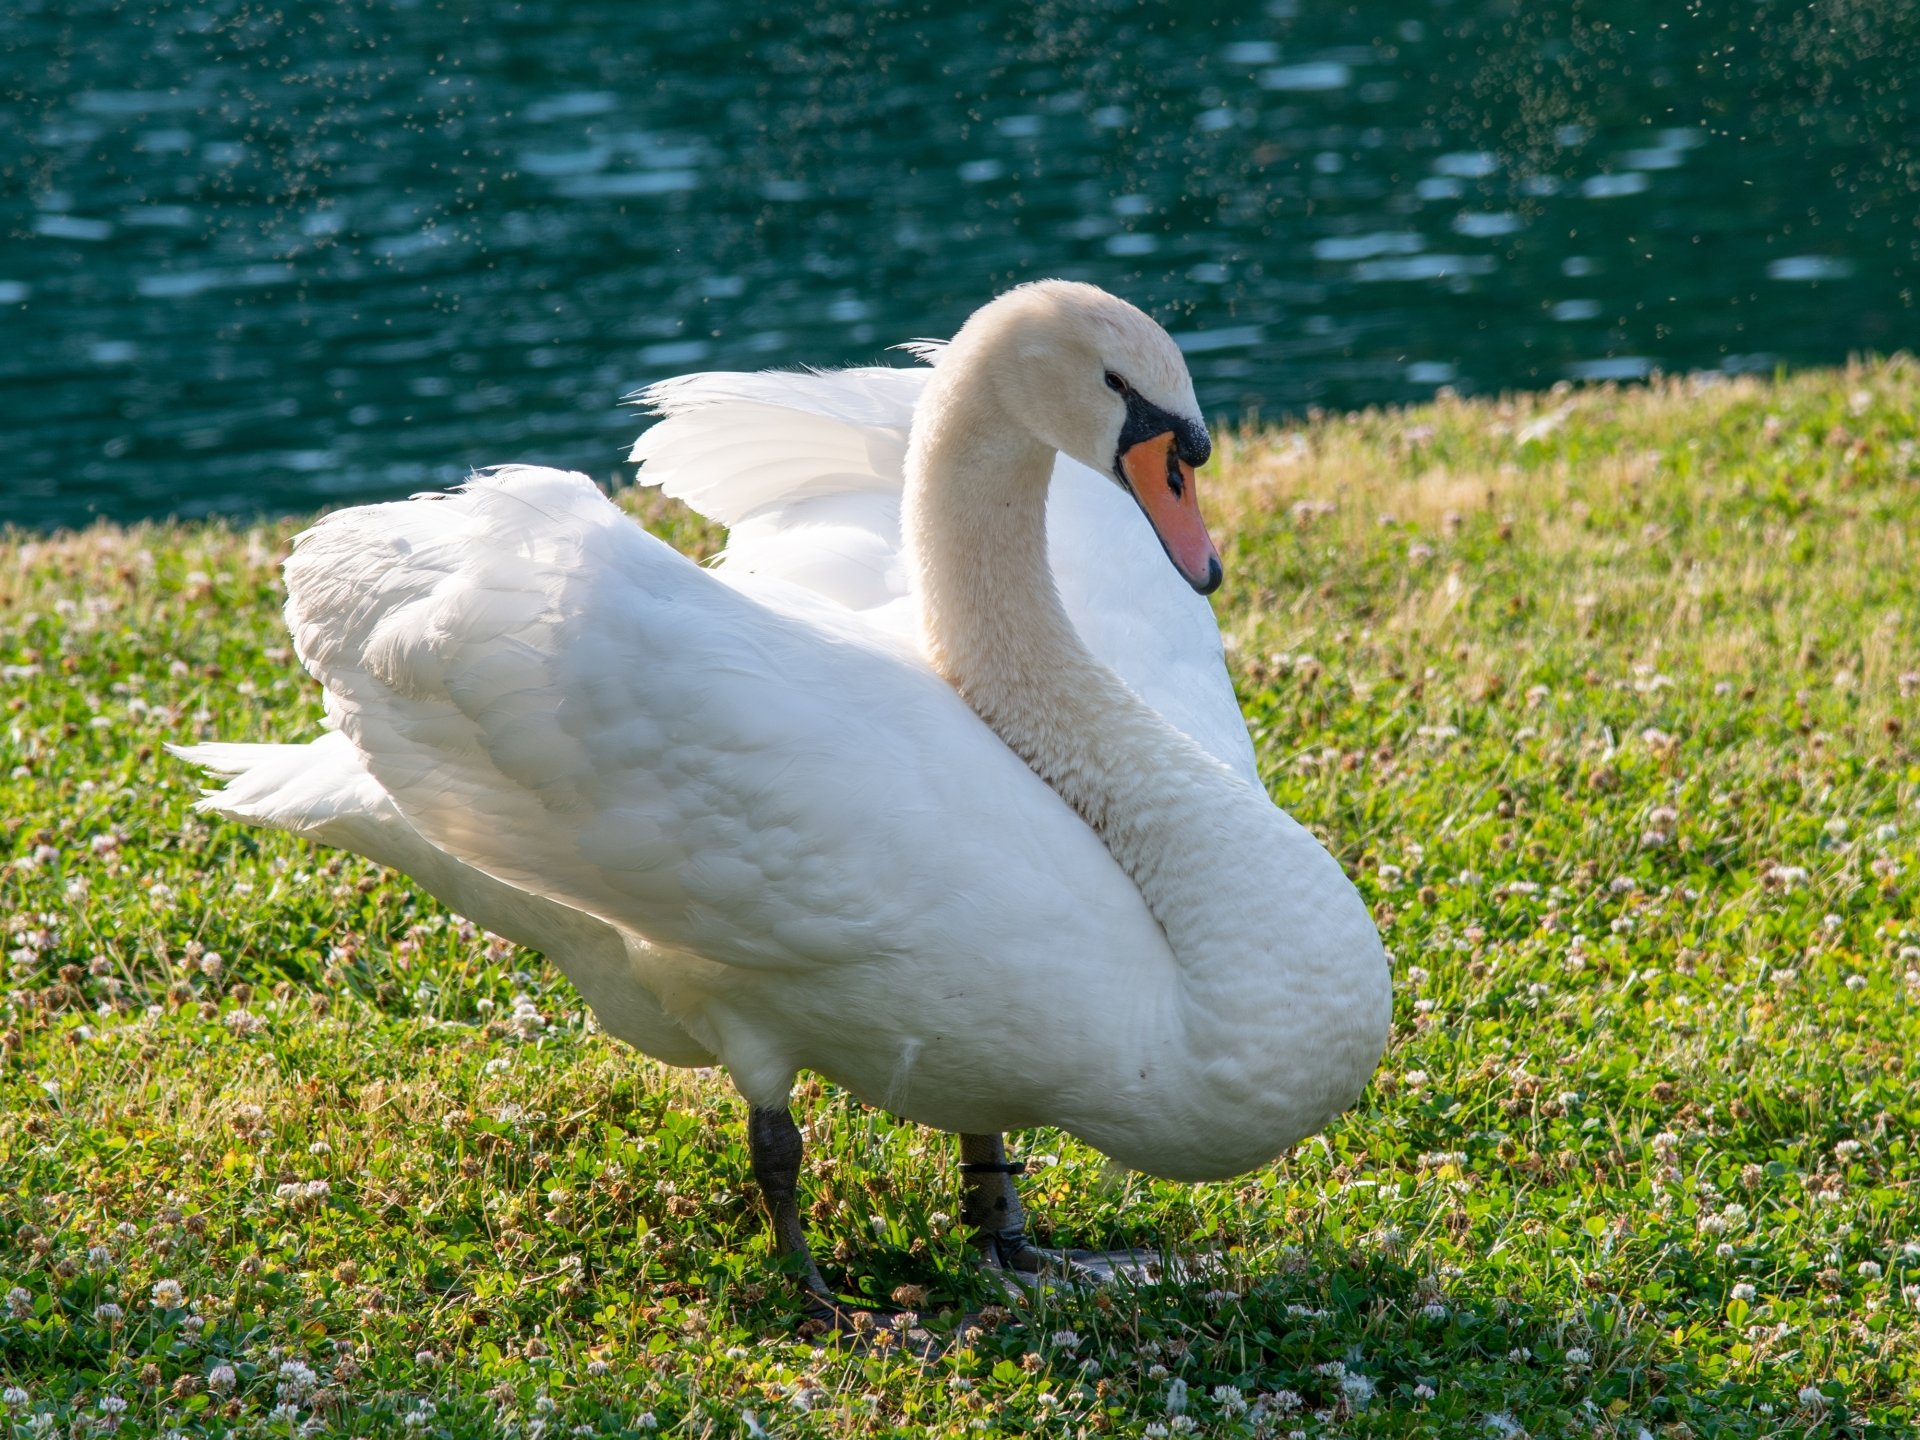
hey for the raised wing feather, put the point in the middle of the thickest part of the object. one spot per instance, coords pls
(732, 444)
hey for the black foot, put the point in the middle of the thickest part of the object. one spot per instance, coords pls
(1010, 1250)
(1018, 1262)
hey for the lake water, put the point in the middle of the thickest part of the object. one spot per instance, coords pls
(273, 258)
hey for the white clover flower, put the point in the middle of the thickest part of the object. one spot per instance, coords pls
(598, 1367)
(221, 1379)
(1229, 1399)
(1743, 1291)
(1357, 1388)
(1847, 1149)
(113, 1404)
(99, 1256)
(168, 1295)
(1157, 1372)
(19, 1303)
(13, 1397)
(1434, 1310)
(1811, 1398)
(1868, 1269)
(1068, 1340)
(1424, 1391)
(1579, 1355)
(108, 1313)
(1176, 1396)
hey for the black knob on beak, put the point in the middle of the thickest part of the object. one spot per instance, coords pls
(1192, 443)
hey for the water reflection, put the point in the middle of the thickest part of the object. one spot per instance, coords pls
(266, 258)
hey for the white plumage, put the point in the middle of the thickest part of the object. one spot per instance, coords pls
(752, 822)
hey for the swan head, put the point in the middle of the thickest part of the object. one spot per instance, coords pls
(1096, 379)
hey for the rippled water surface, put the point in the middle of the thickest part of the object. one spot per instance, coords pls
(270, 258)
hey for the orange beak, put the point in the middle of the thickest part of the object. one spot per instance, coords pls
(1163, 485)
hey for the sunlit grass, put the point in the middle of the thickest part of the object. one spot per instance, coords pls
(1606, 700)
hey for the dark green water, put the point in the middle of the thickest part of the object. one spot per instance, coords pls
(266, 257)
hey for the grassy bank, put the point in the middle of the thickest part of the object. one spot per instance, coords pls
(1607, 701)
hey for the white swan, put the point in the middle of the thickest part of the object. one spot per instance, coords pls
(756, 815)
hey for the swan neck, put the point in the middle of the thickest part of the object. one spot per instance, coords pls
(1276, 999)
(993, 625)
(975, 522)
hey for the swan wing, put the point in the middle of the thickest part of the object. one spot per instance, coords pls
(761, 781)
(807, 470)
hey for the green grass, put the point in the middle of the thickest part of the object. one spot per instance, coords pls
(1606, 699)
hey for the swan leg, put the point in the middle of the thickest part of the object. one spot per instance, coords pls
(990, 1206)
(773, 1141)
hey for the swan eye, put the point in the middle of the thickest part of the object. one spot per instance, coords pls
(1116, 384)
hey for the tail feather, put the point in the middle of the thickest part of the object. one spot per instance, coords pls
(305, 789)
(324, 793)
(223, 760)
